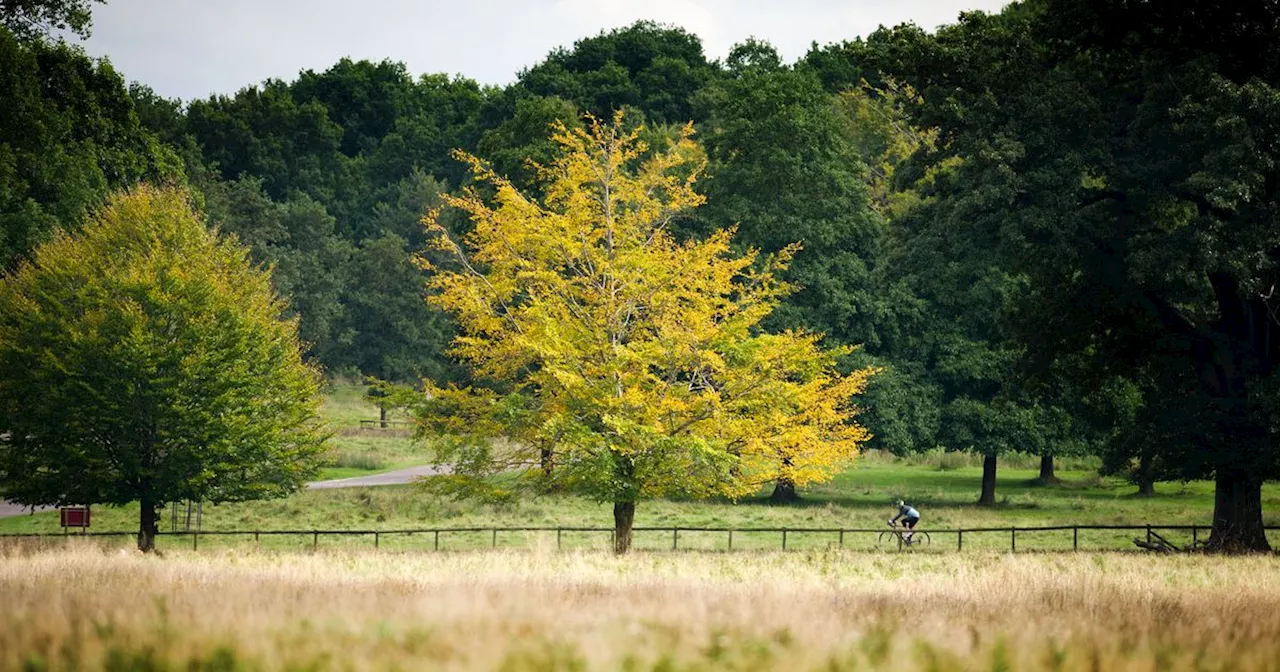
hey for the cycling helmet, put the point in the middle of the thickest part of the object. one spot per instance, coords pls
(901, 503)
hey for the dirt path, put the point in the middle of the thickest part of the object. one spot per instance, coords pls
(397, 477)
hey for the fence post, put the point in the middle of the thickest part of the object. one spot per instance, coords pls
(784, 538)
(1075, 538)
(731, 539)
(675, 538)
(495, 537)
(437, 540)
(842, 537)
(1195, 534)
(315, 539)
(1148, 533)
(959, 540)
(1013, 540)
(558, 531)
(255, 537)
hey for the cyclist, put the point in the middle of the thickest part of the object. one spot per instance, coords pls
(909, 518)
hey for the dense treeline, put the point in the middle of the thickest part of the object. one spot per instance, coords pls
(1052, 227)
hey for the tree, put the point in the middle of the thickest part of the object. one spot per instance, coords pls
(69, 135)
(146, 359)
(1127, 154)
(589, 328)
(648, 66)
(395, 335)
(520, 143)
(783, 171)
(32, 19)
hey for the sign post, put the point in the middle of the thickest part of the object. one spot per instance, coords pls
(74, 516)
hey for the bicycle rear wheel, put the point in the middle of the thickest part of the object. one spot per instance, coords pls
(920, 539)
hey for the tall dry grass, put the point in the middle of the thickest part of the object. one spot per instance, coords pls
(89, 609)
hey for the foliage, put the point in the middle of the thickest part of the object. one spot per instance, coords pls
(783, 171)
(650, 67)
(634, 360)
(1127, 176)
(68, 136)
(31, 20)
(146, 359)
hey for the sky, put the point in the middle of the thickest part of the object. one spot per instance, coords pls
(193, 48)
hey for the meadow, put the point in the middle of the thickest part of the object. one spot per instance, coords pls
(82, 608)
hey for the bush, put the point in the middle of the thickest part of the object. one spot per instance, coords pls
(359, 460)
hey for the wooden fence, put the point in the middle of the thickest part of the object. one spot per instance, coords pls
(836, 537)
(386, 424)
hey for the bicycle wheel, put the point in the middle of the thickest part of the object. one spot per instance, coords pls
(889, 539)
(920, 539)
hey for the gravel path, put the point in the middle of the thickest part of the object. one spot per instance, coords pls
(397, 477)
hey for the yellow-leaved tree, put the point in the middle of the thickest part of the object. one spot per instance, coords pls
(618, 362)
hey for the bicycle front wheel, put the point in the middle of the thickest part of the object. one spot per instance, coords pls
(889, 539)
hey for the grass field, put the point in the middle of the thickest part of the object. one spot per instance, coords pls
(943, 486)
(860, 497)
(357, 452)
(83, 609)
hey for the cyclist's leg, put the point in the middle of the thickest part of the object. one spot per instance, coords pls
(910, 524)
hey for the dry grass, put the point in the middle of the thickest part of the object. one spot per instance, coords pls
(91, 609)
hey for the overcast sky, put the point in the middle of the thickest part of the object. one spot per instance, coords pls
(192, 48)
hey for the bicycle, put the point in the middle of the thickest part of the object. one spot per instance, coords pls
(898, 536)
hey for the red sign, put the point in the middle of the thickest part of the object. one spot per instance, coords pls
(75, 516)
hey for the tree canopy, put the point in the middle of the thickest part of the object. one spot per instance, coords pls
(145, 358)
(636, 359)
(1126, 171)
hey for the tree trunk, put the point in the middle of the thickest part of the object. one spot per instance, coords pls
(147, 526)
(988, 497)
(546, 458)
(1047, 474)
(382, 416)
(1146, 481)
(1237, 513)
(624, 515)
(784, 492)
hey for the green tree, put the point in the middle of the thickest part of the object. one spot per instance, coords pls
(654, 68)
(520, 142)
(33, 19)
(69, 135)
(1125, 153)
(147, 359)
(311, 264)
(782, 170)
(394, 334)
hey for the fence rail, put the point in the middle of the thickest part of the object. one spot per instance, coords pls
(839, 533)
(386, 424)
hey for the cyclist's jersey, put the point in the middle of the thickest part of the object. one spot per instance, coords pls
(908, 513)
